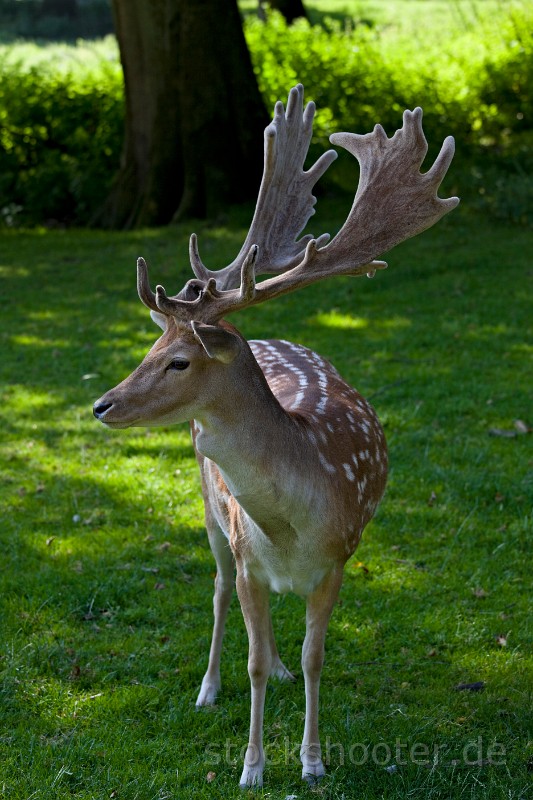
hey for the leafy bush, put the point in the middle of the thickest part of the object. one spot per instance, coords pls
(476, 83)
(60, 137)
(61, 115)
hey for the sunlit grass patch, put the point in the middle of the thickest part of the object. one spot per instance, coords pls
(107, 575)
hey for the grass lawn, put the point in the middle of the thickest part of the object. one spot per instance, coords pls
(106, 573)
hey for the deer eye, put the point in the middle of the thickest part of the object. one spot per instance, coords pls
(178, 363)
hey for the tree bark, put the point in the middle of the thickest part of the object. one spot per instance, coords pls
(194, 117)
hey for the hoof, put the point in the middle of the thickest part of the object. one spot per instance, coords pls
(280, 671)
(313, 769)
(208, 694)
(311, 779)
(251, 778)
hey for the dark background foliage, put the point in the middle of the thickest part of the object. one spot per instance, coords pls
(61, 117)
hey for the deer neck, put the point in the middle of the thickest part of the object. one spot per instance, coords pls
(254, 443)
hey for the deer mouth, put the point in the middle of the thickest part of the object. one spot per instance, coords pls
(117, 425)
(103, 412)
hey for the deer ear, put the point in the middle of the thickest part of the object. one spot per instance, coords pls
(218, 343)
(159, 319)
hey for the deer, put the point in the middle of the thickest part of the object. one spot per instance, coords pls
(293, 460)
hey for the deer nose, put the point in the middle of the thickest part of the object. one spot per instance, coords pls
(100, 408)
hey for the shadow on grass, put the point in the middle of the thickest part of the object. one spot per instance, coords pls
(116, 606)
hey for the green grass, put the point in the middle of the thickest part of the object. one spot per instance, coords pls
(106, 573)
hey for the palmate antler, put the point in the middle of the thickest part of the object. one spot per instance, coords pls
(394, 201)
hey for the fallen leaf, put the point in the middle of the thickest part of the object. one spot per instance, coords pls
(521, 426)
(506, 434)
(210, 777)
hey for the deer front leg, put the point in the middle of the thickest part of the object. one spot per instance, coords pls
(319, 607)
(221, 601)
(256, 612)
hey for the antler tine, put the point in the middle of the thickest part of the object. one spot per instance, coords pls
(198, 267)
(143, 286)
(285, 202)
(174, 306)
(247, 289)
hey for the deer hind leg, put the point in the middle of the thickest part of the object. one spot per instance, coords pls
(224, 582)
(278, 670)
(254, 599)
(319, 607)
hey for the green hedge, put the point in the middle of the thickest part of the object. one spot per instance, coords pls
(478, 83)
(61, 114)
(60, 136)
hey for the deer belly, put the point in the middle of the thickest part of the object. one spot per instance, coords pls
(282, 582)
(285, 572)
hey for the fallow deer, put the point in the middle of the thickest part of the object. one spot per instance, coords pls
(293, 460)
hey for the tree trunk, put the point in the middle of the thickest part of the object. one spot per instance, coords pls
(194, 116)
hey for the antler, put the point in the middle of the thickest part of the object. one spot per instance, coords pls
(394, 201)
(285, 202)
